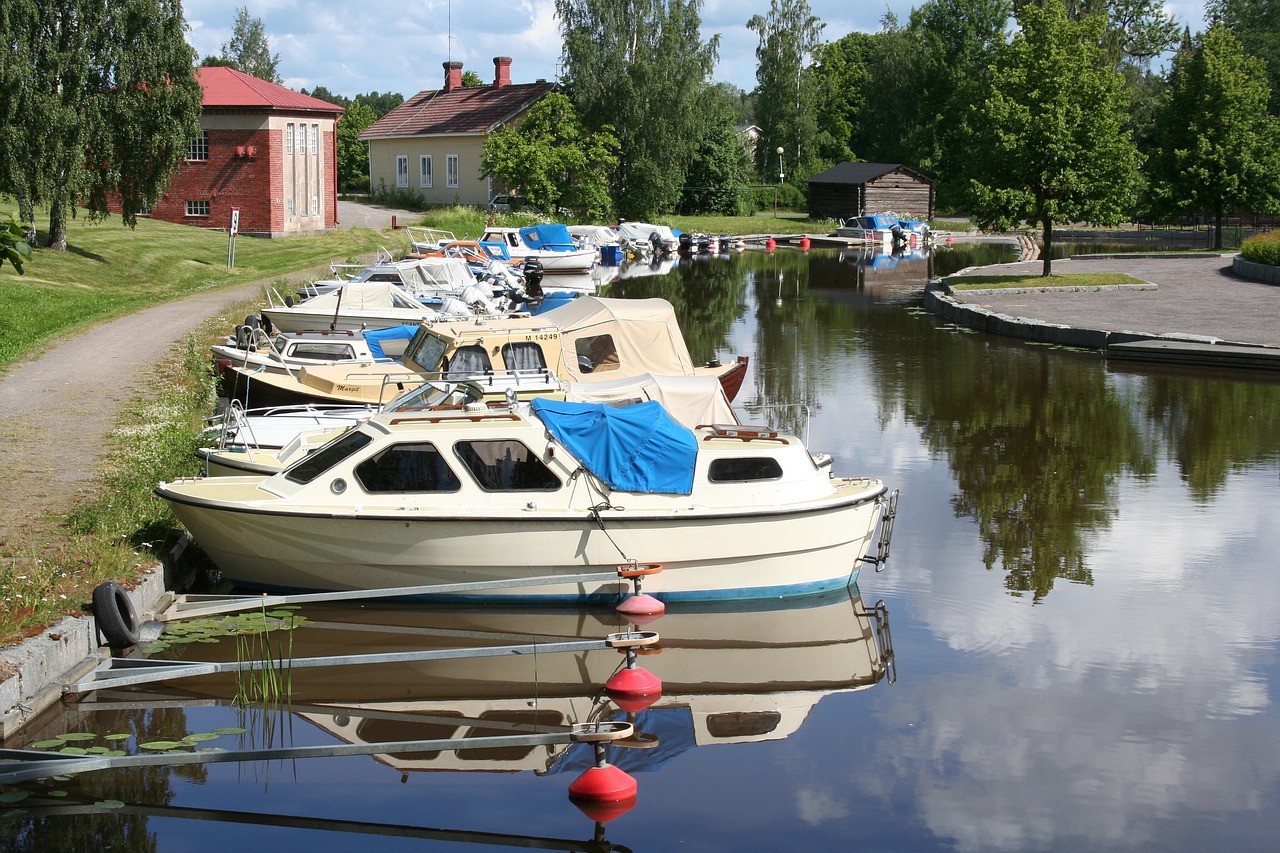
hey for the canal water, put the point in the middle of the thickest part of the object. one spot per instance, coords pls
(1073, 645)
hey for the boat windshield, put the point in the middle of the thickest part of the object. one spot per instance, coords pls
(426, 351)
(308, 468)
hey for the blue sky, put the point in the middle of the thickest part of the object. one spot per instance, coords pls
(383, 46)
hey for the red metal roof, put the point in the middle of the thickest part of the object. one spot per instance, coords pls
(471, 109)
(227, 87)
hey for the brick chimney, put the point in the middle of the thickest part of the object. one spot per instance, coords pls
(501, 71)
(452, 75)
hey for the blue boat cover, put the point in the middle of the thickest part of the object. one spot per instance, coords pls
(495, 249)
(548, 236)
(631, 449)
(375, 337)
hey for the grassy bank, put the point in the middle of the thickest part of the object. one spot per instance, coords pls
(109, 270)
(998, 282)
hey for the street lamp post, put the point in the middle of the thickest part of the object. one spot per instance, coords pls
(781, 179)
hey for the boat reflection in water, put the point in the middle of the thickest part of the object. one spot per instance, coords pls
(728, 675)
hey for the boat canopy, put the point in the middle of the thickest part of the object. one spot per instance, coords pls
(879, 221)
(604, 338)
(639, 232)
(594, 235)
(375, 337)
(362, 296)
(550, 236)
(690, 400)
(633, 449)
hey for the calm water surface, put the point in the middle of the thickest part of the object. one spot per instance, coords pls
(1083, 612)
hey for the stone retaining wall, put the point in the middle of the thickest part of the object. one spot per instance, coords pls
(1255, 271)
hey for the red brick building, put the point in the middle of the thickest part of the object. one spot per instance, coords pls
(264, 149)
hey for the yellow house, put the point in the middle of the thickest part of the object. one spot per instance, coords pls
(432, 143)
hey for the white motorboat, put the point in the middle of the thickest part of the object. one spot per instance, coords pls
(879, 229)
(540, 491)
(252, 348)
(647, 239)
(370, 304)
(550, 244)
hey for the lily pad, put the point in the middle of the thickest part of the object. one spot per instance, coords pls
(74, 750)
(118, 736)
(10, 797)
(230, 730)
(78, 736)
(199, 737)
(47, 744)
(109, 804)
(160, 745)
(55, 794)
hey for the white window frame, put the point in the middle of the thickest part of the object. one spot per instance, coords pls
(315, 139)
(198, 207)
(451, 170)
(198, 150)
(315, 205)
(424, 170)
(288, 208)
(402, 170)
(288, 138)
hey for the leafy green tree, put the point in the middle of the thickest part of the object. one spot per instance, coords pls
(1052, 129)
(554, 160)
(1256, 23)
(13, 243)
(786, 97)
(890, 113)
(1217, 146)
(381, 102)
(323, 94)
(956, 41)
(249, 49)
(841, 78)
(471, 78)
(98, 106)
(639, 67)
(716, 182)
(353, 152)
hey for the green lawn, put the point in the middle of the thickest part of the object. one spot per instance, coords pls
(109, 270)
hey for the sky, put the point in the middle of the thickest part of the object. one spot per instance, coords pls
(397, 47)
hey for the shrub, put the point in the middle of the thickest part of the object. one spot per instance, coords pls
(1262, 248)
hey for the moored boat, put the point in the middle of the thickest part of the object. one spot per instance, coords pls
(542, 490)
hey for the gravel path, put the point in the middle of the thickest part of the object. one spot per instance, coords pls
(58, 407)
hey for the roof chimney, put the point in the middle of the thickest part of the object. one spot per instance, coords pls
(452, 75)
(501, 71)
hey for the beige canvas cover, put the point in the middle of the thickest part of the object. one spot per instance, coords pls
(363, 296)
(603, 338)
(690, 400)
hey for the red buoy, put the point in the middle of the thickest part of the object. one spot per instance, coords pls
(633, 689)
(641, 604)
(804, 244)
(603, 783)
(603, 812)
(770, 244)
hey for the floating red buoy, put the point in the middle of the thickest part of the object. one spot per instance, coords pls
(603, 783)
(804, 244)
(641, 604)
(770, 244)
(633, 689)
(603, 812)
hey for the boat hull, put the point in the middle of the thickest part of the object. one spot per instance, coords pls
(705, 554)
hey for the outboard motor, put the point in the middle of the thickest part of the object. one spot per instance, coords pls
(686, 243)
(899, 236)
(533, 272)
(726, 243)
(655, 243)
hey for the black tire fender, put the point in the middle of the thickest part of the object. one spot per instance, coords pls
(114, 615)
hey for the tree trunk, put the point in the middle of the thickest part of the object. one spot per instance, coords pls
(27, 213)
(1047, 251)
(58, 217)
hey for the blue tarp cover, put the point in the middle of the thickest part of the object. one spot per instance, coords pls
(375, 337)
(632, 449)
(548, 236)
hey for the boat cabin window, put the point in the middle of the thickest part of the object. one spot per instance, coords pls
(504, 465)
(596, 354)
(523, 355)
(742, 723)
(320, 351)
(425, 350)
(307, 469)
(410, 467)
(744, 469)
(468, 361)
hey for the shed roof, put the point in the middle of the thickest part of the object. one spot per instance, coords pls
(227, 87)
(469, 109)
(860, 173)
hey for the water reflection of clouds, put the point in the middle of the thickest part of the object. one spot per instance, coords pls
(1105, 711)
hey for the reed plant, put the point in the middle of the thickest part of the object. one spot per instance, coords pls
(270, 679)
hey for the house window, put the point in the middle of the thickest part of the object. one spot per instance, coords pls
(315, 137)
(424, 170)
(451, 170)
(402, 170)
(288, 138)
(197, 208)
(315, 205)
(199, 147)
(288, 207)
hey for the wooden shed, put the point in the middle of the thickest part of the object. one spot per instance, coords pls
(854, 189)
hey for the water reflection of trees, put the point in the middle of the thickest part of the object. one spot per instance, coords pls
(121, 829)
